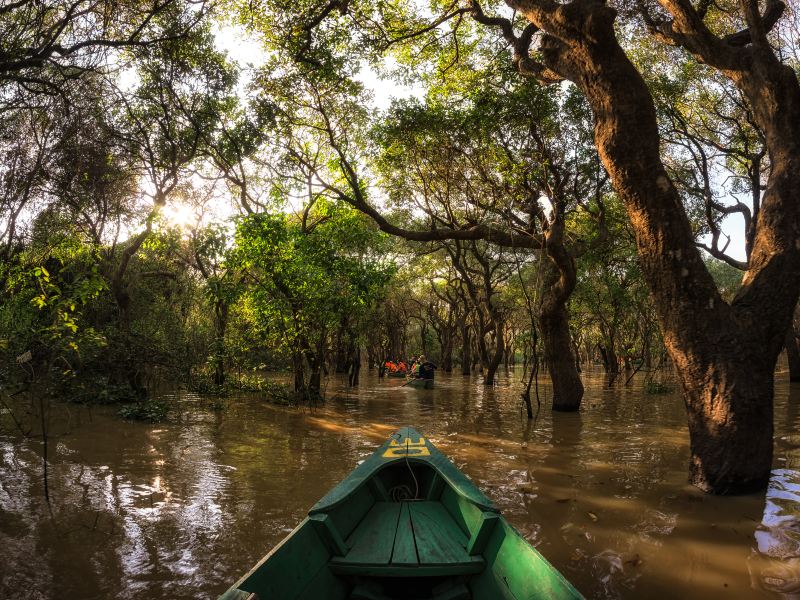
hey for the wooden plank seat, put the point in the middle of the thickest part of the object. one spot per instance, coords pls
(407, 539)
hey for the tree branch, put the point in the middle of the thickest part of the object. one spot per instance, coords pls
(520, 45)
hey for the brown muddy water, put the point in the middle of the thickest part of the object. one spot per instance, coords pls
(181, 509)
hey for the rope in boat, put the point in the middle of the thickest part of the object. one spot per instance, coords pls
(402, 492)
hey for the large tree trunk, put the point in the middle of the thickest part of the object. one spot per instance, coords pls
(724, 354)
(730, 422)
(577, 354)
(480, 341)
(493, 361)
(341, 349)
(298, 372)
(119, 288)
(557, 347)
(447, 351)
(560, 279)
(466, 351)
(122, 297)
(315, 359)
(610, 359)
(355, 366)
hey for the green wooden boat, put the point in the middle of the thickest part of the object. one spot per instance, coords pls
(420, 383)
(405, 524)
(395, 374)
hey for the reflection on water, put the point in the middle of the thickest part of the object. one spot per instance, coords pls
(776, 559)
(180, 510)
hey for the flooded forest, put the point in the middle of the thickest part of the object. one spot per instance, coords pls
(243, 244)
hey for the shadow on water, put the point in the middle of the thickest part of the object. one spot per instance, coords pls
(179, 510)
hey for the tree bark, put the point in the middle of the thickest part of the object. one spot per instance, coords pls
(792, 354)
(447, 354)
(557, 350)
(298, 370)
(576, 353)
(466, 351)
(724, 354)
(610, 359)
(355, 366)
(560, 279)
(493, 361)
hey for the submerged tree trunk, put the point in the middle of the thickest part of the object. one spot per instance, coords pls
(447, 353)
(315, 364)
(298, 370)
(355, 366)
(724, 354)
(557, 346)
(308, 361)
(792, 354)
(341, 348)
(480, 341)
(730, 423)
(577, 355)
(610, 359)
(560, 279)
(493, 361)
(466, 351)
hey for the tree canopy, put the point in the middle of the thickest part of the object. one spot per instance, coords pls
(566, 183)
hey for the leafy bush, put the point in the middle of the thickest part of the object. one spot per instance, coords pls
(277, 393)
(218, 403)
(92, 388)
(152, 411)
(271, 391)
(205, 386)
(248, 382)
(656, 387)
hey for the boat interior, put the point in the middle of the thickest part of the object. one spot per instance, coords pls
(413, 539)
(403, 533)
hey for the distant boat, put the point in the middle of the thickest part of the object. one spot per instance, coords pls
(420, 383)
(405, 524)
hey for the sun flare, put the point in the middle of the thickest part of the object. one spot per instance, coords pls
(180, 215)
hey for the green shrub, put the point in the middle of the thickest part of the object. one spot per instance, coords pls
(656, 387)
(218, 404)
(152, 411)
(205, 386)
(95, 389)
(248, 382)
(271, 391)
(277, 393)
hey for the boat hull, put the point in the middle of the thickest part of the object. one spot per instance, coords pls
(405, 524)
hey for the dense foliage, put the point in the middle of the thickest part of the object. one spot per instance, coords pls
(170, 213)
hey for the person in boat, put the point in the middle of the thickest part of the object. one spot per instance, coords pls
(414, 372)
(426, 369)
(401, 367)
